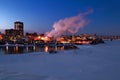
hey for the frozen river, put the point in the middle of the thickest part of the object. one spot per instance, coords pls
(13, 49)
(89, 62)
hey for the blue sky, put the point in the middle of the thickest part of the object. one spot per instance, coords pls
(39, 15)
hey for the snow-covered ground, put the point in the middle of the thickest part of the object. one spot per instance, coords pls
(90, 62)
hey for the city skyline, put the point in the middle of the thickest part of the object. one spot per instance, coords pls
(39, 15)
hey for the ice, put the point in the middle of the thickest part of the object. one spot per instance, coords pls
(89, 62)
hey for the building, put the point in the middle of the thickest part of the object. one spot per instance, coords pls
(20, 27)
(31, 36)
(12, 34)
(16, 33)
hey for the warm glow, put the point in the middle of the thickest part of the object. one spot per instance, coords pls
(84, 42)
(0, 37)
(46, 49)
(16, 48)
(27, 48)
(46, 38)
(65, 42)
(39, 37)
(35, 38)
(62, 48)
(42, 38)
(7, 49)
(34, 48)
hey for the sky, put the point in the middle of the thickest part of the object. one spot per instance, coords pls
(40, 15)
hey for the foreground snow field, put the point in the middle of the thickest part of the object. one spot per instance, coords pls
(89, 62)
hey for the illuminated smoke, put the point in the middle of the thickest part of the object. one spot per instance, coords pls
(70, 24)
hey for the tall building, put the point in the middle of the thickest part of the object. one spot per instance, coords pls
(16, 33)
(20, 27)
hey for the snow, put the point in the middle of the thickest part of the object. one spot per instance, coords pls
(89, 62)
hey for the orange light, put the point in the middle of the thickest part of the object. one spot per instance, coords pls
(0, 37)
(42, 38)
(16, 48)
(39, 37)
(46, 38)
(35, 38)
(46, 49)
(84, 42)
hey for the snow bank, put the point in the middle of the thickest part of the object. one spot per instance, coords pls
(90, 62)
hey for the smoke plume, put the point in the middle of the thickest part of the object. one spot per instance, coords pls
(70, 24)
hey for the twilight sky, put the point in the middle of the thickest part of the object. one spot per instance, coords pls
(40, 15)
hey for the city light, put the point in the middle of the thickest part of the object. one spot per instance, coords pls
(0, 37)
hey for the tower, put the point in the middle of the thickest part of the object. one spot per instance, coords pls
(20, 27)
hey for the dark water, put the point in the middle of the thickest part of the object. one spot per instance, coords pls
(28, 49)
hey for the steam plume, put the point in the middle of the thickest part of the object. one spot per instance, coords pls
(70, 24)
